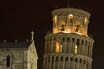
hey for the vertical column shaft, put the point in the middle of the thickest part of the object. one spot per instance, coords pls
(45, 46)
(52, 46)
(50, 62)
(68, 62)
(65, 47)
(59, 62)
(47, 62)
(44, 63)
(63, 62)
(54, 62)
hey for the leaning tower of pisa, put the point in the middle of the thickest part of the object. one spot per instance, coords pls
(68, 46)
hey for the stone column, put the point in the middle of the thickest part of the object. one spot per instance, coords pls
(59, 62)
(52, 45)
(47, 62)
(63, 62)
(61, 46)
(71, 46)
(89, 65)
(44, 63)
(84, 50)
(90, 50)
(82, 64)
(68, 62)
(45, 45)
(50, 63)
(79, 50)
(54, 62)
(87, 49)
(75, 45)
(67, 45)
(64, 45)
(78, 64)
(73, 63)
(49, 46)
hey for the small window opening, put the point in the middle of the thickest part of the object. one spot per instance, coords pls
(61, 59)
(57, 46)
(86, 20)
(71, 18)
(8, 61)
(55, 19)
(62, 26)
(77, 28)
(76, 49)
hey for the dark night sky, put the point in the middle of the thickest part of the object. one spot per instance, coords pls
(17, 17)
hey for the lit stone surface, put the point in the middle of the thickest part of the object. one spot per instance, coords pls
(20, 58)
(66, 48)
(22, 55)
(69, 20)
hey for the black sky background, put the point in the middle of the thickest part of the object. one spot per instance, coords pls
(18, 17)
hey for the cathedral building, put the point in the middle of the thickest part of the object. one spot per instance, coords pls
(18, 55)
(69, 46)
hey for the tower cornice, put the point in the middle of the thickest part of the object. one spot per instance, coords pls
(74, 11)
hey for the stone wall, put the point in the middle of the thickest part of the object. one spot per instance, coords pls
(18, 58)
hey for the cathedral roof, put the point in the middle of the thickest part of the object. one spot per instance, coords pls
(15, 45)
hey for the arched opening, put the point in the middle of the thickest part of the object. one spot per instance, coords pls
(55, 24)
(85, 65)
(62, 26)
(76, 61)
(61, 62)
(82, 42)
(68, 46)
(80, 61)
(71, 63)
(76, 49)
(52, 62)
(77, 27)
(57, 46)
(56, 63)
(70, 18)
(55, 19)
(77, 46)
(8, 61)
(57, 58)
(86, 47)
(68, 39)
(86, 43)
(63, 45)
(86, 20)
(73, 39)
(54, 45)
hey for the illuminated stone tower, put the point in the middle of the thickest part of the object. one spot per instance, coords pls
(68, 46)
